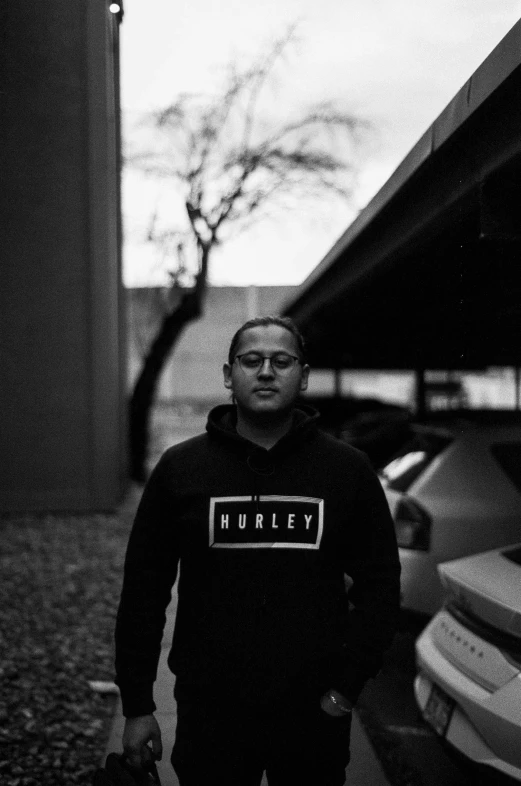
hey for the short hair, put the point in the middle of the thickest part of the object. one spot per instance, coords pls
(266, 321)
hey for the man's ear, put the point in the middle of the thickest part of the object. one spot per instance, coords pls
(305, 377)
(227, 374)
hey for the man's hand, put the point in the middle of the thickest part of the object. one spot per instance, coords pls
(335, 704)
(137, 734)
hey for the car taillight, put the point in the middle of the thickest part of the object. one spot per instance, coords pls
(413, 525)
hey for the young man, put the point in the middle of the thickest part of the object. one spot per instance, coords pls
(270, 520)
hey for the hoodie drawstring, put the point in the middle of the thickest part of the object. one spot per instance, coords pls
(260, 464)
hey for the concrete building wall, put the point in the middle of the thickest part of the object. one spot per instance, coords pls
(62, 384)
(194, 372)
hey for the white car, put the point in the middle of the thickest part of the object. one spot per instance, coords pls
(468, 686)
(452, 491)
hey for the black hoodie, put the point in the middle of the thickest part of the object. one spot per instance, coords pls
(264, 540)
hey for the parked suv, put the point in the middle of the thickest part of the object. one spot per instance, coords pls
(454, 489)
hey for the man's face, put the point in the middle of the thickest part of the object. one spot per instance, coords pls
(264, 391)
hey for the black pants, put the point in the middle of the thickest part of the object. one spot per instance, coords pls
(223, 742)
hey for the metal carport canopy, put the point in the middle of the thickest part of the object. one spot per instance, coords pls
(429, 275)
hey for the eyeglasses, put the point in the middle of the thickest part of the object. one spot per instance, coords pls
(281, 363)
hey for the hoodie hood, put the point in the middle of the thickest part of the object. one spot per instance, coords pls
(222, 425)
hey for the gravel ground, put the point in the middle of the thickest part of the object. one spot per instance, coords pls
(60, 584)
(60, 580)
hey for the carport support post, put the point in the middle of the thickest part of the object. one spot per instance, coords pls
(337, 384)
(420, 391)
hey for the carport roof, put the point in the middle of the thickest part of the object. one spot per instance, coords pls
(428, 275)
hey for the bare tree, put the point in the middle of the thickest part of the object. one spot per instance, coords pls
(232, 164)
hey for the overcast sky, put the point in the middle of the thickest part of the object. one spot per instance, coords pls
(395, 62)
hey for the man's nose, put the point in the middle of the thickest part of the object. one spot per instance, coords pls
(266, 368)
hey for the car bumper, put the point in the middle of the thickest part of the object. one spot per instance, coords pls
(484, 726)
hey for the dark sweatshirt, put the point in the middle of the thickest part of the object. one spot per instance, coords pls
(263, 540)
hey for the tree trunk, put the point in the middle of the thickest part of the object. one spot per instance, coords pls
(142, 399)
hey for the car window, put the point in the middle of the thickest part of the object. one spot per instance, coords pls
(413, 459)
(514, 555)
(508, 456)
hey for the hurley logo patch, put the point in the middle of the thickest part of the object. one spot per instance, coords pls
(282, 522)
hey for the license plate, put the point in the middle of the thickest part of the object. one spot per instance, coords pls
(438, 710)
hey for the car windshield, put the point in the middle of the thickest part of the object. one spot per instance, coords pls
(413, 459)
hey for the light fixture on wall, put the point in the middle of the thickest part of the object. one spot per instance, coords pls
(114, 8)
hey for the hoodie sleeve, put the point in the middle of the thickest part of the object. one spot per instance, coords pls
(375, 594)
(149, 574)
